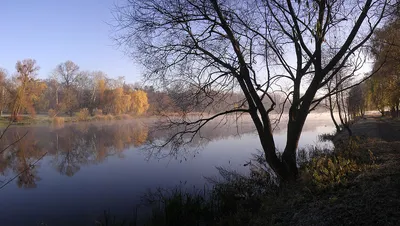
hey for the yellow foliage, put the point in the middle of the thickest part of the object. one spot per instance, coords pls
(121, 101)
(27, 94)
(101, 87)
(98, 112)
(140, 135)
(139, 102)
(58, 121)
(109, 117)
(52, 113)
(83, 114)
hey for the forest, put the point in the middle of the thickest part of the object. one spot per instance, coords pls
(69, 91)
(66, 92)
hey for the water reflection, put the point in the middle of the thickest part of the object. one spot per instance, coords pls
(69, 147)
(72, 146)
(92, 167)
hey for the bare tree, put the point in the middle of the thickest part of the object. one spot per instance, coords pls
(67, 73)
(331, 105)
(3, 75)
(254, 46)
(357, 101)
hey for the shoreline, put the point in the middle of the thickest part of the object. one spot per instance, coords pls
(356, 184)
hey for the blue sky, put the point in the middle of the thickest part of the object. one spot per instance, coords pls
(53, 31)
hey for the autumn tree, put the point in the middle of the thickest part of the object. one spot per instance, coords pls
(101, 87)
(139, 102)
(220, 46)
(121, 101)
(35, 100)
(384, 85)
(26, 72)
(97, 89)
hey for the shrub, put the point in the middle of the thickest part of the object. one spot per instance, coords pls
(330, 169)
(82, 115)
(98, 112)
(326, 137)
(109, 117)
(52, 113)
(58, 120)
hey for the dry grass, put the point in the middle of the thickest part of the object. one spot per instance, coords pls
(58, 121)
(83, 115)
(123, 117)
(109, 117)
(99, 118)
(98, 112)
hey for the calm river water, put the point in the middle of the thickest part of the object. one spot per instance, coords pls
(92, 167)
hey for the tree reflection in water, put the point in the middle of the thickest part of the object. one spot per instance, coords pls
(20, 157)
(68, 147)
(72, 146)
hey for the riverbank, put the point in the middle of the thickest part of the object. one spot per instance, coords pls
(46, 120)
(371, 196)
(42, 119)
(356, 184)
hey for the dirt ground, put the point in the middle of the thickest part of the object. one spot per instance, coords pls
(385, 129)
(373, 197)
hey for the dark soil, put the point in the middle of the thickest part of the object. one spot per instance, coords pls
(373, 196)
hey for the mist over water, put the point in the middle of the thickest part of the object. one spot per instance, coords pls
(92, 167)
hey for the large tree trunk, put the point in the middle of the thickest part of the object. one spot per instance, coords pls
(272, 159)
(297, 119)
(289, 154)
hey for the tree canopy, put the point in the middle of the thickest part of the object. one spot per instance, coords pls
(258, 47)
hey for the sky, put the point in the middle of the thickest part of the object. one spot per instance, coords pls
(54, 31)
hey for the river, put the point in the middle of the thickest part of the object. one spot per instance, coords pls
(91, 167)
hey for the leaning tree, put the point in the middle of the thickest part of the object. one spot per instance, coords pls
(258, 47)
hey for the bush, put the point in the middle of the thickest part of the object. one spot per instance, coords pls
(326, 137)
(83, 114)
(109, 117)
(52, 113)
(58, 120)
(97, 112)
(330, 169)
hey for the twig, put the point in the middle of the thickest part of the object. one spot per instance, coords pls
(16, 141)
(23, 171)
(5, 130)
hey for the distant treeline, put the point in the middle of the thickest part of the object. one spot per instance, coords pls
(69, 90)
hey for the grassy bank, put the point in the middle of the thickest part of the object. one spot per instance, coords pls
(358, 183)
